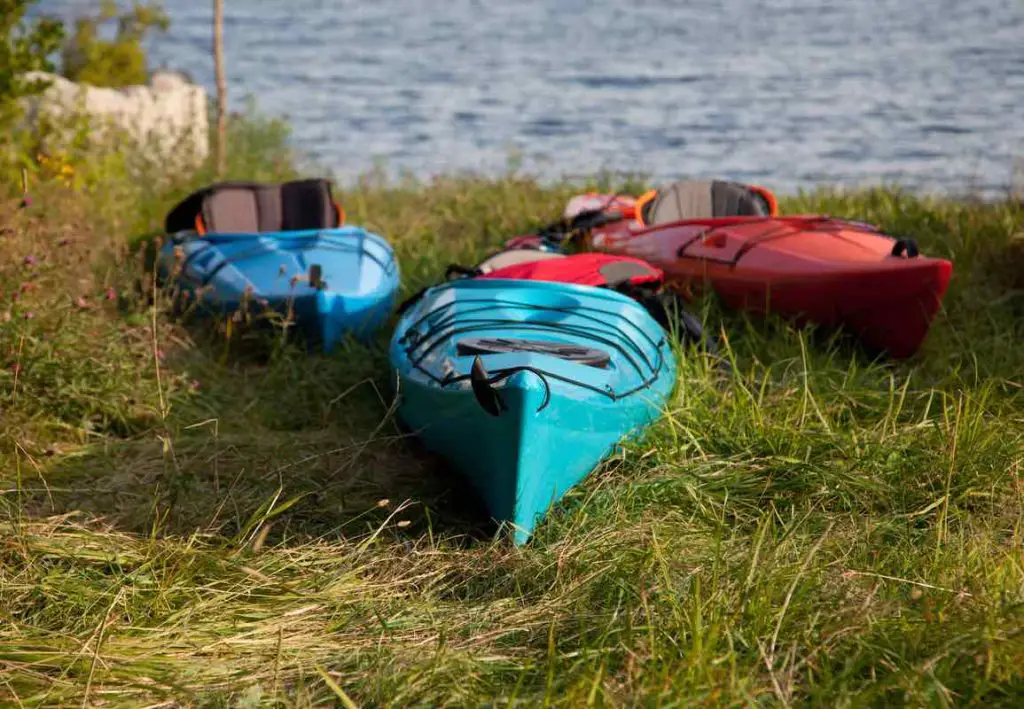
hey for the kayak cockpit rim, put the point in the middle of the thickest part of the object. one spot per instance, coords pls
(343, 239)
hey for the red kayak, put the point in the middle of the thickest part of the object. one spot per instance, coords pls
(808, 268)
(811, 269)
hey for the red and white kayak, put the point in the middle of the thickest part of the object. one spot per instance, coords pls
(809, 268)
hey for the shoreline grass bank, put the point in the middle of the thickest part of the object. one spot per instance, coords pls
(183, 523)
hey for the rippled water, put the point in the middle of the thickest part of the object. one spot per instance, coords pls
(789, 93)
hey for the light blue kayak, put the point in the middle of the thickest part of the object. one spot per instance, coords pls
(524, 386)
(332, 281)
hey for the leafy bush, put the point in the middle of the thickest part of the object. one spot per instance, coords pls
(24, 46)
(89, 58)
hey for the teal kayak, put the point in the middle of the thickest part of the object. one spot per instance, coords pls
(525, 386)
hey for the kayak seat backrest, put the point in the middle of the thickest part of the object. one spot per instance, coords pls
(236, 210)
(703, 199)
(252, 207)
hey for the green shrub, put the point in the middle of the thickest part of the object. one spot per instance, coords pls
(24, 47)
(89, 58)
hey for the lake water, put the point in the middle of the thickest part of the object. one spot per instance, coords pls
(788, 93)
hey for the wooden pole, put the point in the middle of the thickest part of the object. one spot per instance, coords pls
(222, 89)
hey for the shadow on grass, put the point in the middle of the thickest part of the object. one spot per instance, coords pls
(274, 443)
(235, 488)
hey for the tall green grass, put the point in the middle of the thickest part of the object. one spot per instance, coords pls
(182, 522)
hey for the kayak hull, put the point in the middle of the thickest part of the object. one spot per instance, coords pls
(808, 269)
(890, 310)
(558, 418)
(330, 282)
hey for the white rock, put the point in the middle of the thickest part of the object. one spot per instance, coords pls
(168, 117)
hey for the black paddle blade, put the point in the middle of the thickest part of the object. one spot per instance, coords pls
(497, 345)
(486, 395)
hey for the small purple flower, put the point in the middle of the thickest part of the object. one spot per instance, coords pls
(29, 260)
(25, 202)
(194, 386)
(110, 294)
(28, 315)
(160, 355)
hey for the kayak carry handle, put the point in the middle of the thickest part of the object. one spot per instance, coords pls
(486, 395)
(908, 245)
(316, 277)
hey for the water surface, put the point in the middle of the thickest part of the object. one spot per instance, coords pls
(789, 93)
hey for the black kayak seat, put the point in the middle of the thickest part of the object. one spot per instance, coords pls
(256, 207)
(702, 199)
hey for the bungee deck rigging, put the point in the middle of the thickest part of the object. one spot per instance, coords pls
(451, 325)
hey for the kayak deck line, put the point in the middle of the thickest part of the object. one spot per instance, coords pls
(477, 324)
(825, 226)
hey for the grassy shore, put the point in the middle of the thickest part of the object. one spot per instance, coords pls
(196, 519)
